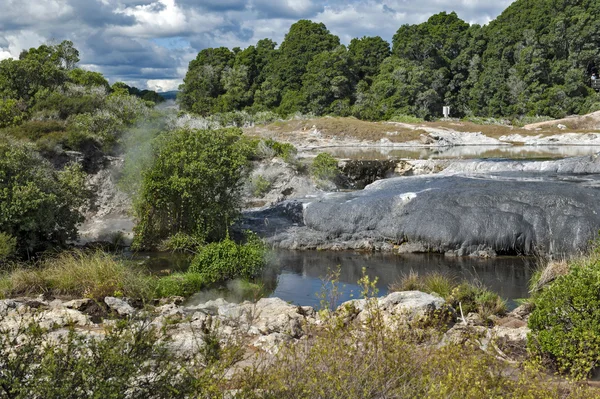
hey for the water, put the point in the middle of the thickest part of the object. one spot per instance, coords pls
(299, 277)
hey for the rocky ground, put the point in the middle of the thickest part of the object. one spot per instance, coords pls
(262, 326)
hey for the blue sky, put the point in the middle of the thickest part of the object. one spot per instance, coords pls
(149, 43)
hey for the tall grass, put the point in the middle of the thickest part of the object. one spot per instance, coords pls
(78, 274)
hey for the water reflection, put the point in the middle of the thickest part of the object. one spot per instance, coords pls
(298, 277)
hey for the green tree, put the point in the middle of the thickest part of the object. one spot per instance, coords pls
(193, 187)
(367, 54)
(202, 83)
(39, 206)
(328, 82)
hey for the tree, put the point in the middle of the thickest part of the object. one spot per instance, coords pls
(329, 78)
(39, 206)
(193, 187)
(304, 40)
(367, 54)
(202, 83)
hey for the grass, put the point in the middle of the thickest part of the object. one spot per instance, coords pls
(473, 297)
(78, 274)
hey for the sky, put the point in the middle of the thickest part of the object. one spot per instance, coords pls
(149, 43)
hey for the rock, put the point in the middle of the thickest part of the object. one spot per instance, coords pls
(410, 303)
(7, 305)
(275, 315)
(460, 334)
(447, 214)
(271, 343)
(177, 300)
(522, 312)
(474, 319)
(77, 304)
(120, 306)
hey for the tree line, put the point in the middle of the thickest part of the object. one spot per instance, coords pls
(536, 58)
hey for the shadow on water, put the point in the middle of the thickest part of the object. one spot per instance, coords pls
(298, 277)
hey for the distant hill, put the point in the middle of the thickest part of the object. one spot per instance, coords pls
(169, 95)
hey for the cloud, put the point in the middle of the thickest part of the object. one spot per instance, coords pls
(149, 43)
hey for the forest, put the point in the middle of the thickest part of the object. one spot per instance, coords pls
(536, 58)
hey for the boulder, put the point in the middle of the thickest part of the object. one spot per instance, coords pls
(121, 307)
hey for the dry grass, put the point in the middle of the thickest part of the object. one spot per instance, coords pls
(347, 128)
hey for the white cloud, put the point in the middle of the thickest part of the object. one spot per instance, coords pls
(161, 85)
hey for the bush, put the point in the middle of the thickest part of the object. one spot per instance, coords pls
(39, 206)
(324, 167)
(260, 186)
(129, 360)
(179, 284)
(8, 246)
(565, 323)
(286, 151)
(227, 260)
(35, 130)
(406, 119)
(193, 187)
(11, 112)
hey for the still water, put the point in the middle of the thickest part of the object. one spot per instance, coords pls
(302, 277)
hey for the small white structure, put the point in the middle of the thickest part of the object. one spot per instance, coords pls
(446, 111)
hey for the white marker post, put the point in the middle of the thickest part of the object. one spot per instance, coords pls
(446, 111)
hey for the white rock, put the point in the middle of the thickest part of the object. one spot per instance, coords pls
(119, 306)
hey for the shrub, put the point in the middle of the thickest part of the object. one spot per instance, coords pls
(260, 186)
(11, 112)
(324, 167)
(227, 260)
(35, 130)
(565, 323)
(180, 242)
(39, 206)
(478, 299)
(286, 151)
(406, 119)
(8, 246)
(193, 187)
(179, 284)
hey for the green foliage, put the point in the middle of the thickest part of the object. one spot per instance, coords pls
(477, 299)
(324, 167)
(226, 259)
(39, 206)
(536, 58)
(130, 360)
(194, 185)
(8, 246)
(180, 242)
(406, 119)
(565, 323)
(285, 151)
(179, 284)
(11, 112)
(260, 186)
